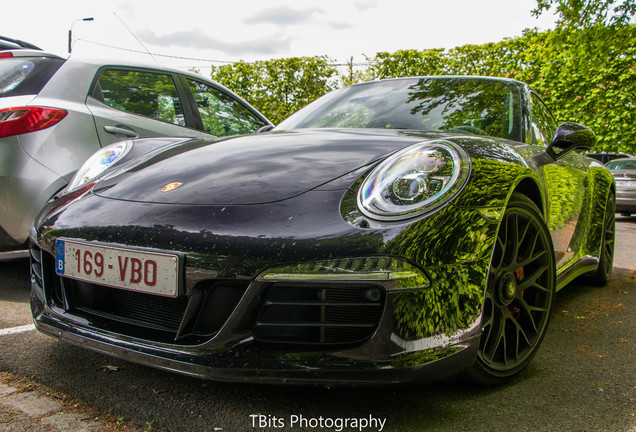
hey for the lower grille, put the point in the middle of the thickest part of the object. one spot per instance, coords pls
(187, 320)
(145, 310)
(323, 315)
(36, 267)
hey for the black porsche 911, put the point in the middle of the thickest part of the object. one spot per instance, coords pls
(398, 230)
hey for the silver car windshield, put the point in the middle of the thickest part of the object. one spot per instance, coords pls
(628, 164)
(478, 106)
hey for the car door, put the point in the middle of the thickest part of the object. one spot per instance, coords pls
(569, 173)
(139, 103)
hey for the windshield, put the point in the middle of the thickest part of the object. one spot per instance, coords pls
(623, 164)
(478, 106)
(26, 75)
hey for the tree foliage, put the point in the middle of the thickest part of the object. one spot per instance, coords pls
(588, 13)
(584, 75)
(279, 87)
(587, 75)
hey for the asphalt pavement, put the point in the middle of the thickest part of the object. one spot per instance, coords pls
(582, 379)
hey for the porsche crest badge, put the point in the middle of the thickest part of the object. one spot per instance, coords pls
(171, 186)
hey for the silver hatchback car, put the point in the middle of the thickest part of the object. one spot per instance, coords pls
(624, 172)
(56, 112)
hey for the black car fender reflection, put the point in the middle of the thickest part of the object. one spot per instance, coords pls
(456, 259)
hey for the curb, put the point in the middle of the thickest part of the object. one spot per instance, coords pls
(32, 409)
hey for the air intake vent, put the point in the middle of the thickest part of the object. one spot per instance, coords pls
(154, 312)
(126, 307)
(324, 315)
(36, 266)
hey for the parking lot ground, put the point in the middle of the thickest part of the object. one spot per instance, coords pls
(28, 406)
(582, 379)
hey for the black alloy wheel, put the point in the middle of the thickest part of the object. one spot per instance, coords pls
(603, 272)
(519, 294)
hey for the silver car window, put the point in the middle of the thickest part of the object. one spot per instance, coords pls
(149, 94)
(22, 76)
(221, 114)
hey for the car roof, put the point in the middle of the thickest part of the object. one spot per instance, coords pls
(98, 63)
(7, 43)
(74, 80)
(622, 160)
(15, 53)
(440, 77)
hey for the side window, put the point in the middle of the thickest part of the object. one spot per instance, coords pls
(543, 124)
(221, 114)
(148, 94)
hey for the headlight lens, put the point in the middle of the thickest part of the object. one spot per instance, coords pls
(414, 181)
(98, 163)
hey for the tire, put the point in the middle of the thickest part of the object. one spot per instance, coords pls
(519, 295)
(603, 272)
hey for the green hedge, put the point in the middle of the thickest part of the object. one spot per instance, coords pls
(279, 87)
(586, 75)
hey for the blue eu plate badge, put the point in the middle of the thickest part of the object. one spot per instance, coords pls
(59, 257)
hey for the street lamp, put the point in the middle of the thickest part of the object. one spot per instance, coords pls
(70, 32)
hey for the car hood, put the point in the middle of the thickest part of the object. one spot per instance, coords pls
(253, 169)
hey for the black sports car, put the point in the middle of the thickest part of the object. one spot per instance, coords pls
(398, 230)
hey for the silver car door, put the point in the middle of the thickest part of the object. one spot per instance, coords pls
(132, 103)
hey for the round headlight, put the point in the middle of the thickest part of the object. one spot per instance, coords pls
(414, 181)
(99, 162)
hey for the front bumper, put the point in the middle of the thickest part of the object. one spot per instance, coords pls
(233, 354)
(625, 200)
(392, 354)
(418, 335)
(246, 362)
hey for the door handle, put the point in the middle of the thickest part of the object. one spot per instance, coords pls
(121, 131)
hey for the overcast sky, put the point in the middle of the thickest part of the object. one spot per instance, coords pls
(232, 30)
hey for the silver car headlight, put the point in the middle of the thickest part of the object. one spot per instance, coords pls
(99, 162)
(414, 181)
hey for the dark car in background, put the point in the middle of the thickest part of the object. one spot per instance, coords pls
(56, 112)
(606, 157)
(624, 172)
(400, 230)
(7, 43)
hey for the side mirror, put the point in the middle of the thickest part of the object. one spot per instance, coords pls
(568, 137)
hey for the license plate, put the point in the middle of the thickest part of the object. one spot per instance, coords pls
(628, 183)
(142, 271)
